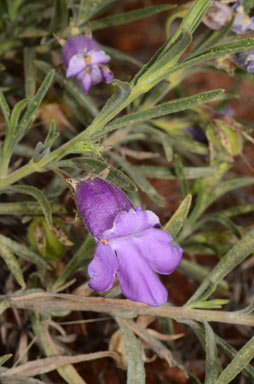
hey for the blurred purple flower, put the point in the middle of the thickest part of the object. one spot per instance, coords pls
(245, 60)
(84, 59)
(197, 133)
(243, 22)
(128, 245)
(218, 15)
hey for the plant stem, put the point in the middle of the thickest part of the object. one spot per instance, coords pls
(46, 302)
(41, 165)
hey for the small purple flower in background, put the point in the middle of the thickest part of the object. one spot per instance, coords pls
(84, 59)
(128, 245)
(242, 23)
(218, 15)
(197, 133)
(245, 60)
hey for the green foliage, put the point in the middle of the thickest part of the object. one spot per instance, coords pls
(132, 133)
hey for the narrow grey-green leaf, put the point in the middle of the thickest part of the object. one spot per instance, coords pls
(165, 109)
(4, 358)
(214, 52)
(13, 265)
(193, 18)
(16, 112)
(226, 347)
(130, 16)
(96, 167)
(136, 371)
(198, 272)
(176, 222)
(4, 304)
(23, 252)
(164, 172)
(228, 186)
(179, 170)
(116, 100)
(211, 356)
(238, 253)
(35, 103)
(5, 108)
(161, 67)
(239, 362)
(82, 101)
(59, 19)
(29, 208)
(36, 194)
(76, 261)
(30, 72)
(91, 8)
(138, 178)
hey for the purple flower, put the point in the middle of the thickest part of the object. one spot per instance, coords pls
(84, 59)
(245, 60)
(242, 23)
(128, 244)
(218, 15)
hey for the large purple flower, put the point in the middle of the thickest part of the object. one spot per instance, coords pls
(84, 59)
(128, 244)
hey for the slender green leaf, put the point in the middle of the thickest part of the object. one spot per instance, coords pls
(95, 167)
(138, 178)
(130, 16)
(179, 170)
(163, 172)
(211, 356)
(23, 252)
(16, 112)
(67, 371)
(228, 186)
(176, 222)
(221, 219)
(91, 8)
(199, 273)
(82, 254)
(13, 265)
(59, 19)
(136, 371)
(29, 208)
(4, 358)
(214, 52)
(227, 348)
(165, 109)
(239, 362)
(193, 18)
(118, 55)
(30, 72)
(238, 253)
(35, 103)
(117, 99)
(5, 109)
(74, 91)
(161, 67)
(36, 194)
(4, 304)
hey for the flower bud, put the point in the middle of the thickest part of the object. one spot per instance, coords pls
(99, 202)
